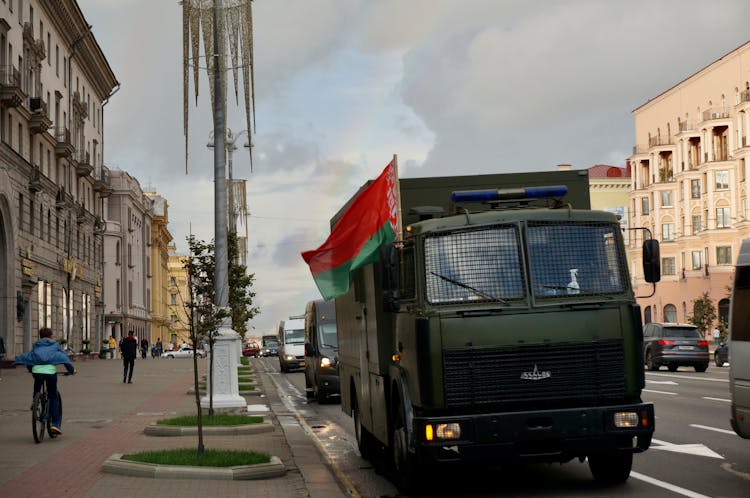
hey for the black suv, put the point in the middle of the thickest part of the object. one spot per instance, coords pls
(721, 355)
(674, 345)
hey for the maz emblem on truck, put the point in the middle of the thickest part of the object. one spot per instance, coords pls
(536, 374)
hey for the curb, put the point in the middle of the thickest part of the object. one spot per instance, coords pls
(222, 430)
(254, 392)
(116, 465)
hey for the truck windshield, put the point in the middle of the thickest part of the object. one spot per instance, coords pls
(295, 336)
(575, 259)
(565, 259)
(474, 265)
(327, 332)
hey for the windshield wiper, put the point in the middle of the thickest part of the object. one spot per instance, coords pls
(469, 287)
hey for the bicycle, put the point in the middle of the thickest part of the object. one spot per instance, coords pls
(41, 419)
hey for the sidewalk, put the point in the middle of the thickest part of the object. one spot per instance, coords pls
(103, 416)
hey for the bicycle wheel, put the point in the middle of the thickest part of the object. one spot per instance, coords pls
(49, 417)
(38, 420)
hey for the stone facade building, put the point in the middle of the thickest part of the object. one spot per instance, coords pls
(689, 173)
(54, 83)
(127, 258)
(179, 297)
(160, 244)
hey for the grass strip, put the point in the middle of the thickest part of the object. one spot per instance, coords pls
(245, 360)
(246, 387)
(215, 420)
(189, 456)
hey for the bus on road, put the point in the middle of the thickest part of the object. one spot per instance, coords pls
(739, 343)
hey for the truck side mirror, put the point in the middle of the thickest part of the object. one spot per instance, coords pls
(651, 261)
(309, 349)
(390, 264)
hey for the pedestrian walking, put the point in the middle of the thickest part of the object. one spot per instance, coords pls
(129, 350)
(144, 348)
(159, 348)
(112, 344)
(716, 336)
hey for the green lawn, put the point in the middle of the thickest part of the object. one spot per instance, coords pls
(217, 419)
(189, 456)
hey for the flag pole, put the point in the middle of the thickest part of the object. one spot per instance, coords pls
(399, 222)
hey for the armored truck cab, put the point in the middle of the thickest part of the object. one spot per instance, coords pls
(499, 332)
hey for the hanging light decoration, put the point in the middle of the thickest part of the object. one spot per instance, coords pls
(235, 26)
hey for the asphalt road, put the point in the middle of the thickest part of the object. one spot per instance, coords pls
(694, 453)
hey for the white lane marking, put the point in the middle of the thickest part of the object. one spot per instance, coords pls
(666, 485)
(717, 399)
(688, 377)
(697, 449)
(715, 429)
(668, 382)
(659, 392)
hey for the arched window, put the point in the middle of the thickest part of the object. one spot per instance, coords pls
(647, 315)
(670, 313)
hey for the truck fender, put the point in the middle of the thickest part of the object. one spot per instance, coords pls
(401, 390)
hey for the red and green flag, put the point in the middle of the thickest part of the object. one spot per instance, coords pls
(368, 223)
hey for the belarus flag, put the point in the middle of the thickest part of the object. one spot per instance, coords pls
(370, 222)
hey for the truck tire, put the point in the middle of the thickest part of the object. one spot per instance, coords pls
(611, 467)
(365, 440)
(409, 473)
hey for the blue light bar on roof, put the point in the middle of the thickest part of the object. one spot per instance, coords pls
(506, 194)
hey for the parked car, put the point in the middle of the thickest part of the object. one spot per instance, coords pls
(251, 349)
(674, 345)
(183, 351)
(721, 355)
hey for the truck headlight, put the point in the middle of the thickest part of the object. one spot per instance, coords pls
(288, 357)
(442, 431)
(325, 362)
(626, 419)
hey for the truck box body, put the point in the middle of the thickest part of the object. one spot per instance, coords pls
(517, 324)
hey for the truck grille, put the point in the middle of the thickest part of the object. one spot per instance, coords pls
(546, 373)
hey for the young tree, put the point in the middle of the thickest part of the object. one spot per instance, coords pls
(201, 266)
(704, 313)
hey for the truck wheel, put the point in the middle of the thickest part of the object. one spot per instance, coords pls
(612, 467)
(650, 363)
(320, 396)
(408, 471)
(365, 440)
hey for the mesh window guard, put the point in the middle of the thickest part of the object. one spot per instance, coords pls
(474, 265)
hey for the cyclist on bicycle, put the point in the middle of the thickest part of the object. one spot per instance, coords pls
(41, 361)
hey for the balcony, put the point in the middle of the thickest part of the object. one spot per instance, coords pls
(640, 149)
(745, 96)
(101, 184)
(659, 140)
(83, 164)
(80, 214)
(715, 113)
(35, 180)
(63, 143)
(39, 121)
(686, 126)
(11, 94)
(60, 199)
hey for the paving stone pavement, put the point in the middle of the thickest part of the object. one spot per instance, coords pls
(103, 416)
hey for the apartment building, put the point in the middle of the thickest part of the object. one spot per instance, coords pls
(160, 243)
(689, 186)
(179, 297)
(54, 83)
(127, 257)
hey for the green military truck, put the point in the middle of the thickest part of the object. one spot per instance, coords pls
(503, 330)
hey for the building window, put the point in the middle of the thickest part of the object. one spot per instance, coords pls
(644, 205)
(173, 299)
(697, 260)
(670, 313)
(172, 281)
(722, 180)
(20, 211)
(668, 266)
(695, 189)
(667, 231)
(130, 293)
(722, 217)
(118, 293)
(724, 255)
(118, 260)
(130, 255)
(57, 65)
(666, 198)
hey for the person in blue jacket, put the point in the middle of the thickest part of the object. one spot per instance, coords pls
(41, 361)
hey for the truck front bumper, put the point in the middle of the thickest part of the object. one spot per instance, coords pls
(544, 436)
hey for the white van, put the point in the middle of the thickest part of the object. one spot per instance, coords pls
(292, 343)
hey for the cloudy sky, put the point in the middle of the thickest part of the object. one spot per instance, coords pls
(453, 87)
